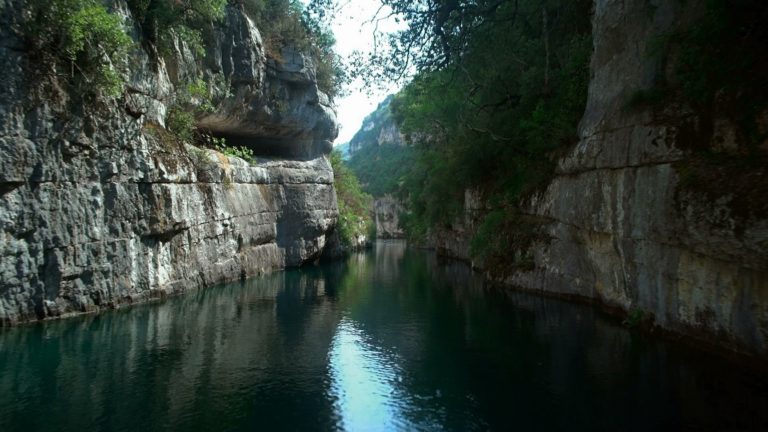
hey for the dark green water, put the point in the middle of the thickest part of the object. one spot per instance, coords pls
(390, 340)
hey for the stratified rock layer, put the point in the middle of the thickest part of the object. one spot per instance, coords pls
(99, 207)
(618, 224)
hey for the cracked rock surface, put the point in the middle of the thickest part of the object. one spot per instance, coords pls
(98, 209)
(619, 226)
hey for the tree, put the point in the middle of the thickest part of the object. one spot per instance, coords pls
(355, 206)
(160, 18)
(437, 35)
(497, 87)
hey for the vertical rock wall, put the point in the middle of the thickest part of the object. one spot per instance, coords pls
(387, 211)
(624, 229)
(621, 226)
(100, 208)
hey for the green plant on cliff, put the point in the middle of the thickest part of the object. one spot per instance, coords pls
(634, 318)
(243, 153)
(199, 93)
(717, 63)
(80, 41)
(203, 162)
(354, 204)
(160, 20)
(479, 115)
(717, 70)
(292, 23)
(191, 101)
(181, 122)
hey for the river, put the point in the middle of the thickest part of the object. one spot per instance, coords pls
(390, 339)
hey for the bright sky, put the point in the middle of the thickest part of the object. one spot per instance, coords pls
(354, 32)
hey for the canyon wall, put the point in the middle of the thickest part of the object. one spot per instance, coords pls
(101, 207)
(386, 212)
(378, 129)
(625, 222)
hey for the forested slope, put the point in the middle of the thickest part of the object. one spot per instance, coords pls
(607, 150)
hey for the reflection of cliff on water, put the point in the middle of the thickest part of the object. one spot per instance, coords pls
(224, 350)
(391, 339)
(580, 369)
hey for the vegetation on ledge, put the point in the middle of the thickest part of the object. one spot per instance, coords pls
(355, 220)
(292, 23)
(78, 43)
(498, 92)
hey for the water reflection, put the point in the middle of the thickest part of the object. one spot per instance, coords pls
(364, 382)
(393, 339)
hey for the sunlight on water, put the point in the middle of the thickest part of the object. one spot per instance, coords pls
(390, 339)
(363, 382)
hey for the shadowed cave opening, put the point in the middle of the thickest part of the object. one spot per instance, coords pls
(271, 147)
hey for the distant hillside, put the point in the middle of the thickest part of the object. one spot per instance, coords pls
(378, 129)
(378, 154)
(343, 149)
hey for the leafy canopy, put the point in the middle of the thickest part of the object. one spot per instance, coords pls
(160, 19)
(82, 37)
(497, 89)
(354, 204)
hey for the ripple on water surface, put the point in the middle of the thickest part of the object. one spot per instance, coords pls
(393, 339)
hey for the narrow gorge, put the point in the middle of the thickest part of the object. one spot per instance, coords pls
(657, 213)
(389, 215)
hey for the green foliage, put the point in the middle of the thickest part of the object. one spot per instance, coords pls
(198, 89)
(634, 318)
(381, 169)
(285, 23)
(182, 123)
(354, 205)
(170, 142)
(192, 37)
(489, 118)
(503, 241)
(718, 60)
(199, 94)
(194, 100)
(487, 238)
(161, 19)
(82, 37)
(201, 160)
(243, 153)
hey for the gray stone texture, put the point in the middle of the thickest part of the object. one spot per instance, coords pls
(622, 230)
(98, 210)
(386, 212)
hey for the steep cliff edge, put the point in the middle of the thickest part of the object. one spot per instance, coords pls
(100, 208)
(621, 222)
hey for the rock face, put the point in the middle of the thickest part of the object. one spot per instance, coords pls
(98, 208)
(455, 241)
(378, 129)
(622, 226)
(386, 212)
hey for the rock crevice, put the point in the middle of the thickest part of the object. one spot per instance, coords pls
(98, 208)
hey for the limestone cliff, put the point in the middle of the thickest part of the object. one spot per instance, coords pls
(378, 129)
(621, 224)
(386, 212)
(99, 209)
